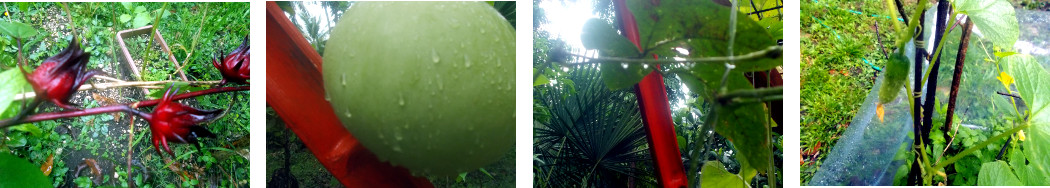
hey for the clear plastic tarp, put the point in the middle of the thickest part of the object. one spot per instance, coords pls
(865, 153)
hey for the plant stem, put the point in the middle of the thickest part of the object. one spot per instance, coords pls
(960, 61)
(980, 146)
(112, 108)
(119, 84)
(931, 85)
(913, 178)
(769, 51)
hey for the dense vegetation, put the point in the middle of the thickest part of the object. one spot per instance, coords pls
(107, 149)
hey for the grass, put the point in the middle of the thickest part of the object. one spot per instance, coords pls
(106, 138)
(835, 79)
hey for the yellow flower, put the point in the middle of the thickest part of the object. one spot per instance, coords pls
(1006, 79)
(1020, 135)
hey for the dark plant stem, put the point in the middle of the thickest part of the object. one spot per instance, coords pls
(900, 10)
(931, 86)
(878, 38)
(1003, 150)
(113, 108)
(766, 10)
(960, 61)
(914, 176)
(1008, 94)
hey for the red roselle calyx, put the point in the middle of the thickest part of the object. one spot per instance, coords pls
(61, 75)
(235, 67)
(174, 122)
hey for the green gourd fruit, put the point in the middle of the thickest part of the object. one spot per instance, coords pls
(424, 85)
(896, 75)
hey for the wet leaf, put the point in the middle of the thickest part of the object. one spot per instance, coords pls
(17, 30)
(28, 174)
(995, 18)
(714, 174)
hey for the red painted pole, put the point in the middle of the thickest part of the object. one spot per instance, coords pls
(656, 112)
(295, 91)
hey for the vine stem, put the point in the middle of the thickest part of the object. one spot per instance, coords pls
(980, 146)
(119, 84)
(769, 51)
(112, 108)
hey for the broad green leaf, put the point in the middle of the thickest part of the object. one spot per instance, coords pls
(11, 83)
(739, 124)
(23, 6)
(995, 18)
(124, 18)
(542, 79)
(18, 172)
(997, 173)
(1028, 174)
(703, 27)
(141, 19)
(599, 35)
(1033, 84)
(714, 174)
(622, 75)
(17, 30)
(128, 6)
(28, 127)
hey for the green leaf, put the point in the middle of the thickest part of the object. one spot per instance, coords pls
(141, 19)
(30, 128)
(542, 79)
(622, 75)
(714, 174)
(1033, 85)
(11, 83)
(128, 6)
(124, 18)
(995, 18)
(704, 26)
(599, 35)
(23, 6)
(19, 172)
(17, 30)
(997, 173)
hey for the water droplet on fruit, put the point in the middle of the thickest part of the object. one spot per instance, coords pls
(624, 65)
(435, 56)
(645, 66)
(344, 79)
(466, 59)
(397, 148)
(397, 136)
(348, 115)
(327, 98)
(401, 100)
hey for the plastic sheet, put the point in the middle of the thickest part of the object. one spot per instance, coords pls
(865, 153)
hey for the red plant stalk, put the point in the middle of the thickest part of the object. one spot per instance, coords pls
(656, 112)
(113, 108)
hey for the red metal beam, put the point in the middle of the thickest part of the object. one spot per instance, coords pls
(296, 92)
(656, 112)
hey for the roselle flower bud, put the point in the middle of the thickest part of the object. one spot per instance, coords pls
(235, 67)
(61, 75)
(174, 122)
